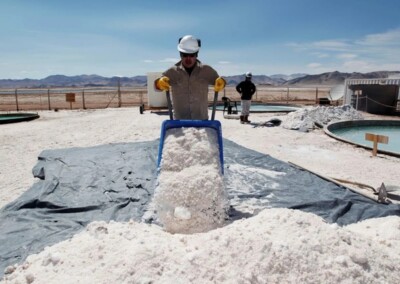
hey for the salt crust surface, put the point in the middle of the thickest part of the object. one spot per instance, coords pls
(190, 196)
(276, 246)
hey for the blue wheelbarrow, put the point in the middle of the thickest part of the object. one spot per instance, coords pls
(171, 123)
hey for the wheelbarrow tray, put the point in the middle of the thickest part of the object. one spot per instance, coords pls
(214, 124)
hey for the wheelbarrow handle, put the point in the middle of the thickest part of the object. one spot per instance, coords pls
(171, 117)
(214, 105)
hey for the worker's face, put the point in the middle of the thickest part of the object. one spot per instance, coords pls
(188, 60)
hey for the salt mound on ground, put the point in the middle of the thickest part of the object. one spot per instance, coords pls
(306, 118)
(190, 196)
(277, 245)
(380, 229)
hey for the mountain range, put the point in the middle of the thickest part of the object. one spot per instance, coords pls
(300, 79)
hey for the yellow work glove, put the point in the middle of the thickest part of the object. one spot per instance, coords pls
(219, 84)
(162, 83)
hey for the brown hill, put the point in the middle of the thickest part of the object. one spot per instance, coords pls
(329, 79)
(336, 78)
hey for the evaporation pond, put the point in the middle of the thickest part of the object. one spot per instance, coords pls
(356, 135)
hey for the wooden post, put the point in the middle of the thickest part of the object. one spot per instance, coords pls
(287, 95)
(357, 97)
(83, 99)
(16, 99)
(358, 93)
(119, 93)
(376, 139)
(141, 98)
(48, 97)
(316, 95)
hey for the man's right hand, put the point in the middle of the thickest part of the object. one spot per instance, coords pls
(162, 84)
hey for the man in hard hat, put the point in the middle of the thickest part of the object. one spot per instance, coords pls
(246, 89)
(189, 80)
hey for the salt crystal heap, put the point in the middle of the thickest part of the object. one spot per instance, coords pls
(307, 118)
(190, 196)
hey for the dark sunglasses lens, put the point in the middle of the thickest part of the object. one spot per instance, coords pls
(188, 55)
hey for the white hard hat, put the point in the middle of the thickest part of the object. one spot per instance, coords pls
(189, 44)
(248, 74)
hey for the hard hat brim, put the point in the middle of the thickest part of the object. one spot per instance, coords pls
(186, 50)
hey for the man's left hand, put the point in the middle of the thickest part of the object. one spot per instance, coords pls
(219, 84)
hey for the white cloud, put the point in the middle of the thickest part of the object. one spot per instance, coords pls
(151, 21)
(346, 56)
(368, 66)
(314, 65)
(357, 65)
(389, 40)
(322, 55)
(327, 45)
(379, 51)
(170, 60)
(331, 45)
(391, 37)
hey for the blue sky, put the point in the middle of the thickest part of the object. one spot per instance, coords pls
(129, 38)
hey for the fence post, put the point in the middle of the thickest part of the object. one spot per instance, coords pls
(83, 99)
(316, 95)
(48, 98)
(287, 96)
(119, 93)
(16, 99)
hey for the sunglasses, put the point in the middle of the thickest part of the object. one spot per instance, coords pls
(189, 54)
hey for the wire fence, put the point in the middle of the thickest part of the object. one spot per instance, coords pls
(71, 98)
(288, 95)
(363, 103)
(105, 97)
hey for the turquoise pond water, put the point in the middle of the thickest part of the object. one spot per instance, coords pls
(17, 117)
(8, 117)
(356, 134)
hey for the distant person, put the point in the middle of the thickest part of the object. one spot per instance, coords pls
(246, 89)
(189, 80)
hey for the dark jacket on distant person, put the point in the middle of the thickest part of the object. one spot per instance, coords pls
(246, 89)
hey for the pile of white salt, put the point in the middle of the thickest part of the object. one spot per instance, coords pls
(190, 196)
(276, 246)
